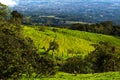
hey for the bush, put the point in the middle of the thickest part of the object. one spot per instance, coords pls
(45, 66)
(16, 53)
(104, 58)
(18, 56)
(73, 65)
(42, 28)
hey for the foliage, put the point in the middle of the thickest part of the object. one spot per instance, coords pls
(13, 51)
(104, 58)
(45, 66)
(18, 55)
(16, 18)
(73, 65)
(53, 46)
(3, 11)
(106, 27)
(42, 28)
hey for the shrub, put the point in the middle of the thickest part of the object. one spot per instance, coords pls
(42, 28)
(45, 66)
(73, 65)
(104, 58)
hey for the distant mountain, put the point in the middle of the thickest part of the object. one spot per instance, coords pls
(73, 10)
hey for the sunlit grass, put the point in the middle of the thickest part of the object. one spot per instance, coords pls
(67, 76)
(71, 42)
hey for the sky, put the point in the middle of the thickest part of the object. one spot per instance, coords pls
(10, 3)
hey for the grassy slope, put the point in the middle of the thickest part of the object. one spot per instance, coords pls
(96, 76)
(78, 41)
(70, 41)
(67, 76)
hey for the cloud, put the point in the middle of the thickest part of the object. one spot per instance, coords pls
(10, 3)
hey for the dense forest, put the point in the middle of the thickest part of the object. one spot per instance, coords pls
(19, 55)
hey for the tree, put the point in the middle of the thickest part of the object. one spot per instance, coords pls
(16, 17)
(104, 58)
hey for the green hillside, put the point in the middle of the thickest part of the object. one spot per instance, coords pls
(67, 76)
(71, 42)
(52, 53)
(96, 76)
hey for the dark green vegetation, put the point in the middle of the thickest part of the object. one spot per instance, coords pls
(103, 28)
(18, 54)
(35, 52)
